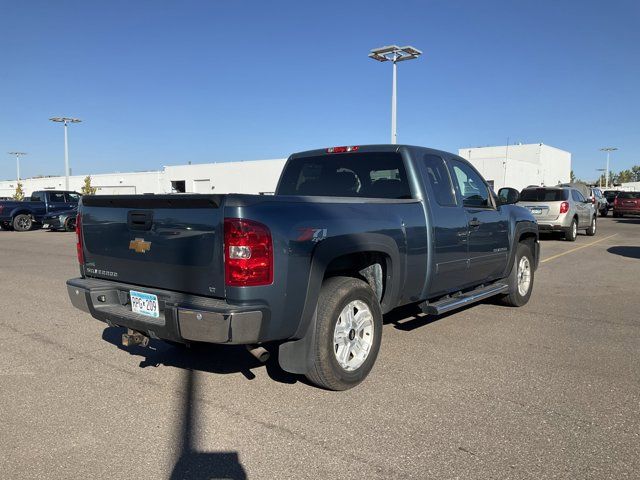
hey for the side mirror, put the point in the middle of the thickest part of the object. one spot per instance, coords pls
(508, 196)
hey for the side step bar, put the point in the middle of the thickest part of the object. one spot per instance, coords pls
(451, 303)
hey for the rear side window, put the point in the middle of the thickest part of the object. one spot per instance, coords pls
(577, 196)
(364, 174)
(436, 174)
(543, 195)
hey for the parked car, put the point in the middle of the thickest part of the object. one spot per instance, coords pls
(610, 196)
(351, 233)
(23, 216)
(600, 202)
(560, 209)
(626, 203)
(65, 220)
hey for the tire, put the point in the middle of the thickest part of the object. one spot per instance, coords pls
(604, 213)
(591, 231)
(337, 297)
(616, 215)
(22, 223)
(70, 225)
(572, 232)
(522, 266)
(6, 226)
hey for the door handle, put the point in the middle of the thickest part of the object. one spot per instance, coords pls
(474, 222)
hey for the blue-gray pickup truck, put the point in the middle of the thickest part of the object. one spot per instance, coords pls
(22, 216)
(350, 234)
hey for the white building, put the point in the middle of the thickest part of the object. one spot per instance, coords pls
(520, 165)
(257, 176)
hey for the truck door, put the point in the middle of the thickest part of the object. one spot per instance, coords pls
(56, 202)
(488, 226)
(448, 224)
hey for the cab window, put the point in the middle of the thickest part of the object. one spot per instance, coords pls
(436, 174)
(473, 190)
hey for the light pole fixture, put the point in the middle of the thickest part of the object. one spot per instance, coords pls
(395, 54)
(18, 155)
(66, 121)
(608, 150)
(600, 176)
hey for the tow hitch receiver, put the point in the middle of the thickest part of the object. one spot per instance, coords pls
(133, 338)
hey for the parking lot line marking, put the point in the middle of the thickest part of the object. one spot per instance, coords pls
(576, 249)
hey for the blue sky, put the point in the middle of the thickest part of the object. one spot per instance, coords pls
(163, 83)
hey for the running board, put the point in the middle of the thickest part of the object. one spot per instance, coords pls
(451, 303)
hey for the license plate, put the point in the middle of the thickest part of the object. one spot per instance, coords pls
(46, 225)
(144, 304)
(536, 211)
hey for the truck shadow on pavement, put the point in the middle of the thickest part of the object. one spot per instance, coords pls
(625, 251)
(220, 359)
(190, 463)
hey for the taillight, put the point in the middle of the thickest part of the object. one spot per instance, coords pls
(342, 149)
(79, 239)
(248, 253)
(564, 207)
(593, 200)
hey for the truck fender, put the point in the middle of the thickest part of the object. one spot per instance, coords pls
(293, 355)
(521, 228)
(20, 211)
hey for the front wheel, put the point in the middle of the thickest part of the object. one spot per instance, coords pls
(22, 223)
(347, 336)
(70, 225)
(520, 279)
(591, 231)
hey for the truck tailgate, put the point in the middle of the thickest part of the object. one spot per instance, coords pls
(170, 242)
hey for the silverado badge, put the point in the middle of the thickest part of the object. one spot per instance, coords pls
(138, 245)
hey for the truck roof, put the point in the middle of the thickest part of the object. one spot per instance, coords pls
(384, 147)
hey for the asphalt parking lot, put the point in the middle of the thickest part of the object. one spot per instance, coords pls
(550, 390)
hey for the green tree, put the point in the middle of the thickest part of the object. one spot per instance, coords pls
(87, 189)
(625, 176)
(19, 195)
(572, 176)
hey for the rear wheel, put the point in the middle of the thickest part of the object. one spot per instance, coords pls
(70, 224)
(572, 232)
(591, 231)
(604, 212)
(348, 332)
(22, 223)
(520, 279)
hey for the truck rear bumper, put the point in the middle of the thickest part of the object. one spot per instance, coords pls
(183, 318)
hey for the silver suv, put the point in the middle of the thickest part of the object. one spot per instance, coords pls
(560, 209)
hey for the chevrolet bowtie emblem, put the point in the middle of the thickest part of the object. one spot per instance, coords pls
(139, 245)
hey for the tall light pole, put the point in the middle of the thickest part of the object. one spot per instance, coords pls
(18, 155)
(66, 121)
(395, 54)
(608, 150)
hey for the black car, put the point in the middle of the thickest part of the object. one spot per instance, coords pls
(65, 220)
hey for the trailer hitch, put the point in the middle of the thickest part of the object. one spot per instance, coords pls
(133, 338)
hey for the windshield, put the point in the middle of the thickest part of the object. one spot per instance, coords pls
(366, 174)
(543, 195)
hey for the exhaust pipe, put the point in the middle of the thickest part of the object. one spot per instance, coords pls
(133, 338)
(261, 353)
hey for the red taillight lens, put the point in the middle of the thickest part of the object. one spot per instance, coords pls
(79, 239)
(593, 200)
(342, 149)
(564, 207)
(248, 253)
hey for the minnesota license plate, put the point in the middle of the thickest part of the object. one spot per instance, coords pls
(144, 304)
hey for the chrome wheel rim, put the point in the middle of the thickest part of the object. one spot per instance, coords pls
(524, 276)
(353, 335)
(24, 223)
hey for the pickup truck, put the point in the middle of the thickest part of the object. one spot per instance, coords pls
(350, 234)
(22, 216)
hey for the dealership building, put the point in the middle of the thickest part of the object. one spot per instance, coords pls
(515, 166)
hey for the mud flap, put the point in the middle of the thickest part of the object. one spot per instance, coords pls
(294, 356)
